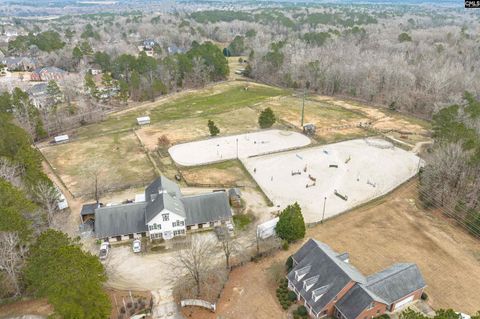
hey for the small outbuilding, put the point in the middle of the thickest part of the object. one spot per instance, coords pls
(61, 139)
(143, 120)
(309, 129)
(234, 196)
(88, 212)
(267, 229)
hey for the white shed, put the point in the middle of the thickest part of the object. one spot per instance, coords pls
(267, 229)
(62, 201)
(143, 120)
(61, 138)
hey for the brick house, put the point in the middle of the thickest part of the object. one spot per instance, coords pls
(47, 73)
(329, 285)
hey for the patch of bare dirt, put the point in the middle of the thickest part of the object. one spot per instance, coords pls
(391, 230)
(39, 307)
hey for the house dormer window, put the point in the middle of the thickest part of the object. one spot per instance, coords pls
(165, 217)
(300, 273)
(308, 283)
(319, 292)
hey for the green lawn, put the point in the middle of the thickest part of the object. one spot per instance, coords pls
(199, 104)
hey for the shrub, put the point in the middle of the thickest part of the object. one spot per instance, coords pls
(301, 311)
(292, 296)
(424, 296)
(285, 245)
(266, 118)
(213, 128)
(289, 263)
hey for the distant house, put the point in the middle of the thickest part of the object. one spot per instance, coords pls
(164, 214)
(149, 44)
(329, 286)
(19, 63)
(48, 73)
(173, 49)
(38, 95)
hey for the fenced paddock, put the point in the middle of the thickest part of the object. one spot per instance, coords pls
(225, 148)
(358, 170)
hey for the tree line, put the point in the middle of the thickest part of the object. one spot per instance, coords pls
(35, 259)
(451, 179)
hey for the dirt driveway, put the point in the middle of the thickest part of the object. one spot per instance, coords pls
(393, 229)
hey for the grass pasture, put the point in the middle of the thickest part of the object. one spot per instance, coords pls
(121, 158)
(334, 123)
(225, 173)
(183, 130)
(203, 104)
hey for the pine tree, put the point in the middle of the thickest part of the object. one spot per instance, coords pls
(266, 118)
(54, 93)
(291, 226)
(214, 130)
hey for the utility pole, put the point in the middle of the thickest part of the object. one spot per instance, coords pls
(237, 148)
(303, 106)
(324, 204)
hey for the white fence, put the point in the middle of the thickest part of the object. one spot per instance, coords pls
(199, 303)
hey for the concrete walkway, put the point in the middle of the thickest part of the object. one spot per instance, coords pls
(164, 306)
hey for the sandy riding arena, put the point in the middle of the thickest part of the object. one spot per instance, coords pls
(346, 173)
(225, 148)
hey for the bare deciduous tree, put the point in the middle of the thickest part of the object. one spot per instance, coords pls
(10, 171)
(229, 246)
(48, 196)
(11, 261)
(196, 261)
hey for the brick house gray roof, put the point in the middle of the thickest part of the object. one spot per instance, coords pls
(120, 220)
(395, 282)
(319, 274)
(204, 208)
(354, 302)
(331, 273)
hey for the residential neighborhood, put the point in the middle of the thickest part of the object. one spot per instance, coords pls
(239, 160)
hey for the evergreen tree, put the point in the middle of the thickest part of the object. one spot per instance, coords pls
(71, 279)
(291, 226)
(54, 93)
(266, 118)
(90, 86)
(214, 130)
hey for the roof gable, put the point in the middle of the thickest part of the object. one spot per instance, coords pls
(395, 282)
(354, 302)
(204, 208)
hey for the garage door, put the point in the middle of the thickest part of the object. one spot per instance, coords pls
(402, 303)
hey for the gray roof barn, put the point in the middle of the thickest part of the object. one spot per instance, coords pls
(120, 220)
(159, 195)
(204, 208)
(319, 274)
